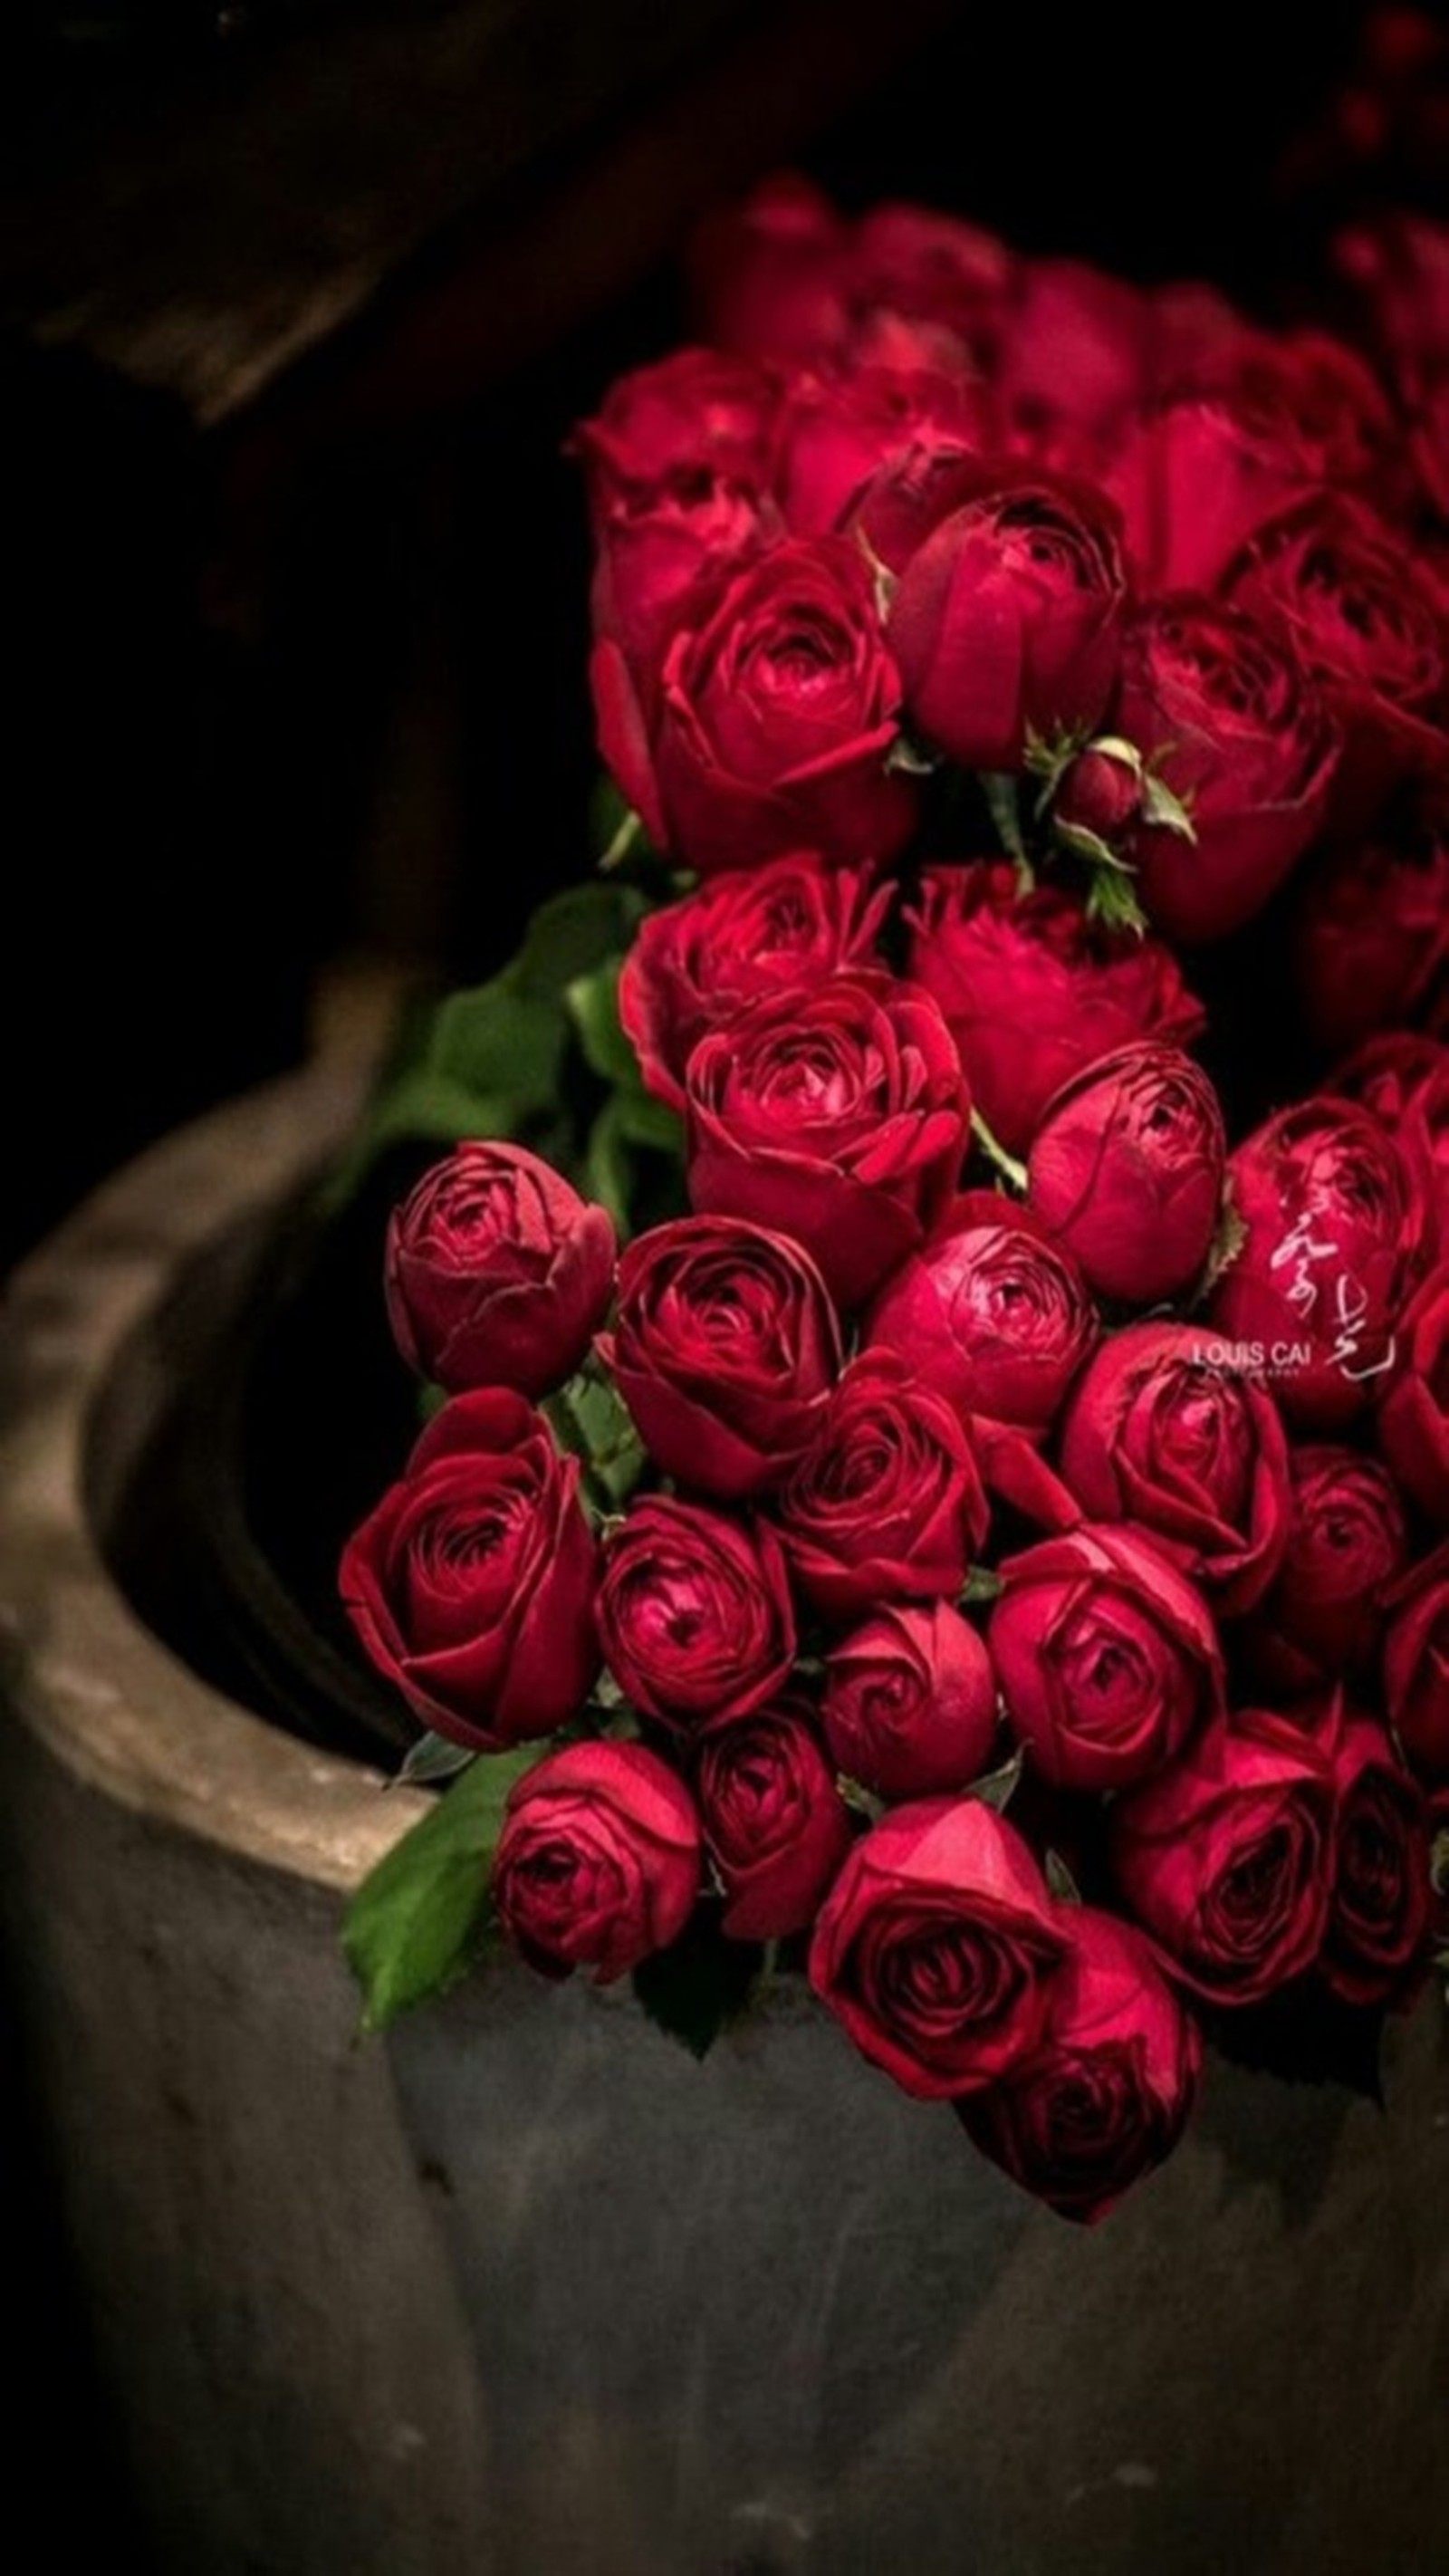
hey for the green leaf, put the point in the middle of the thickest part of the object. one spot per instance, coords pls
(999, 789)
(1112, 901)
(1167, 811)
(433, 1757)
(590, 1420)
(1060, 1880)
(572, 934)
(593, 1004)
(860, 1800)
(650, 1123)
(1227, 1243)
(501, 1043)
(417, 1921)
(609, 1166)
(700, 1984)
(981, 1586)
(1012, 1172)
(997, 1788)
(909, 759)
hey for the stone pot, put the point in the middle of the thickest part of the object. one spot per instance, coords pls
(525, 2290)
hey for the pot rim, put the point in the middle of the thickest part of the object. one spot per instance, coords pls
(81, 1672)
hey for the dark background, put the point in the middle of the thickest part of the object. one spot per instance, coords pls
(294, 567)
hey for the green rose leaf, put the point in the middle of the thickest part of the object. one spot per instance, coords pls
(418, 1921)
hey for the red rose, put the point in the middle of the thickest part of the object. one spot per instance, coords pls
(471, 1584)
(1196, 478)
(1226, 1857)
(887, 1505)
(1378, 1924)
(910, 1702)
(694, 1615)
(1031, 991)
(1416, 1663)
(1107, 1657)
(1126, 1171)
(1305, 391)
(937, 1947)
(1346, 1548)
(725, 1348)
(1413, 1423)
(1371, 936)
(1399, 265)
(693, 415)
(915, 262)
(1163, 1429)
(1333, 1235)
(1077, 350)
(775, 1825)
(1404, 1081)
(775, 707)
(1215, 702)
(990, 1313)
(694, 965)
(1006, 618)
(651, 551)
(598, 1862)
(1368, 624)
(834, 432)
(496, 1271)
(770, 276)
(1108, 2092)
(838, 1116)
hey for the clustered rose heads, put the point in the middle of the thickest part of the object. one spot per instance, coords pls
(993, 1415)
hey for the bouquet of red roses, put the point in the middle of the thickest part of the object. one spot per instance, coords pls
(906, 1495)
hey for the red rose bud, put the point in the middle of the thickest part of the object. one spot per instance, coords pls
(689, 417)
(1100, 793)
(887, 1505)
(496, 1272)
(1107, 1657)
(650, 553)
(1404, 1081)
(598, 1862)
(990, 1312)
(775, 1825)
(1195, 480)
(1226, 1857)
(471, 1584)
(1362, 618)
(694, 1615)
(725, 1348)
(1379, 1916)
(1218, 706)
(1346, 1547)
(1005, 622)
(937, 1947)
(1032, 992)
(1108, 2093)
(1413, 1423)
(1416, 1663)
(769, 725)
(695, 965)
(910, 1703)
(838, 1116)
(1371, 936)
(769, 277)
(1126, 1171)
(1333, 1231)
(834, 432)
(1166, 1428)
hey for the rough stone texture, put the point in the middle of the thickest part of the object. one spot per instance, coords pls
(526, 2290)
